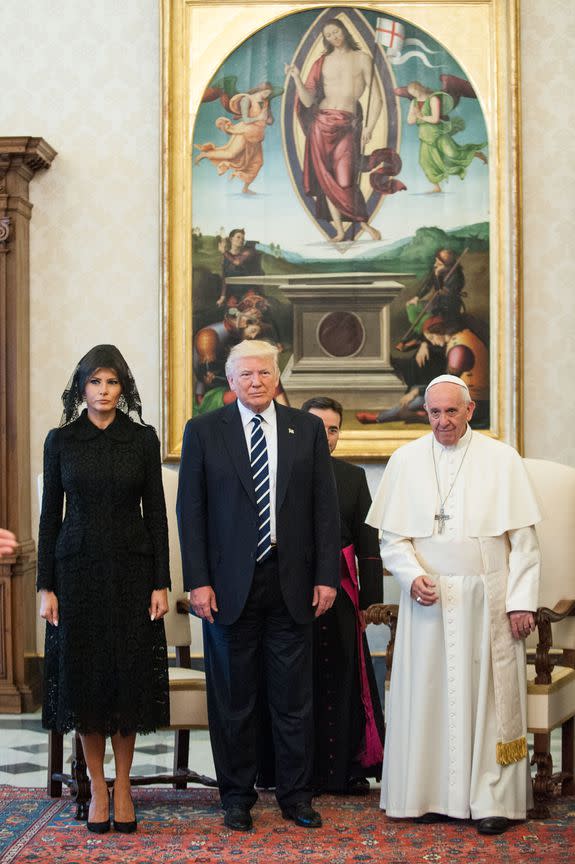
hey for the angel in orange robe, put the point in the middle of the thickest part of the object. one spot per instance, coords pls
(243, 153)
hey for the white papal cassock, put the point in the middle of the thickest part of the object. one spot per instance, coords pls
(456, 707)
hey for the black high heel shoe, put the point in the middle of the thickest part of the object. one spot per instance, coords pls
(100, 827)
(126, 827)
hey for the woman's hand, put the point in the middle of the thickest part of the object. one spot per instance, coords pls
(49, 607)
(158, 604)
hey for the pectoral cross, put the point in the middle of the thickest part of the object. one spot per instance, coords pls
(442, 518)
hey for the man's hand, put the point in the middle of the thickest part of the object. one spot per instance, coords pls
(323, 599)
(158, 604)
(203, 602)
(522, 624)
(423, 591)
(49, 607)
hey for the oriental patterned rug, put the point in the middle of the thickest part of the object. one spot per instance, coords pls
(180, 827)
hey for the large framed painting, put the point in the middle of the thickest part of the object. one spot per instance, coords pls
(343, 182)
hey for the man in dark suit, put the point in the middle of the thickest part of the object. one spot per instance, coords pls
(349, 726)
(258, 588)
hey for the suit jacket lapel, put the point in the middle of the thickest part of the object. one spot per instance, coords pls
(235, 441)
(287, 442)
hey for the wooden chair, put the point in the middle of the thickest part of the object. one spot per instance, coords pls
(188, 708)
(551, 650)
(551, 653)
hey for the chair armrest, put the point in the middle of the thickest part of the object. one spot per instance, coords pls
(545, 662)
(384, 613)
(183, 607)
(183, 654)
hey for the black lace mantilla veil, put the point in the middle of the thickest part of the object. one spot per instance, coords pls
(101, 357)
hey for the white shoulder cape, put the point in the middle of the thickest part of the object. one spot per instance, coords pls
(496, 484)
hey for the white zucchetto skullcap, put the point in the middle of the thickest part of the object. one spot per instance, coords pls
(446, 379)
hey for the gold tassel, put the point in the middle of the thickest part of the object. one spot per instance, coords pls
(511, 751)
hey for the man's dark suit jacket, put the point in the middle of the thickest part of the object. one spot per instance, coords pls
(217, 514)
(354, 502)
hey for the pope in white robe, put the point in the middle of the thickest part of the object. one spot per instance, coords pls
(457, 511)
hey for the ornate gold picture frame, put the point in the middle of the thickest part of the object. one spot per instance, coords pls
(346, 292)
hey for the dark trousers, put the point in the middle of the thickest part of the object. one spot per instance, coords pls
(264, 651)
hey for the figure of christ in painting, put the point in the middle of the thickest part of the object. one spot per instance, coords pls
(331, 117)
(243, 153)
(439, 154)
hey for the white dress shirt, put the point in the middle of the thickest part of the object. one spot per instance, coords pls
(269, 426)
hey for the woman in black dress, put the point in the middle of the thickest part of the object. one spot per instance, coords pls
(103, 575)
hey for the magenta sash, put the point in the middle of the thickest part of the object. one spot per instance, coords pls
(371, 752)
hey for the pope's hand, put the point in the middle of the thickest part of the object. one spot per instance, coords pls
(423, 591)
(522, 624)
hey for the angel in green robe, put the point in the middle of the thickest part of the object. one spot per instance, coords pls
(439, 154)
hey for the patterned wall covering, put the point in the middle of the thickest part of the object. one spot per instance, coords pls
(85, 76)
(548, 52)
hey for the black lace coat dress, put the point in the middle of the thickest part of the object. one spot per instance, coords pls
(106, 662)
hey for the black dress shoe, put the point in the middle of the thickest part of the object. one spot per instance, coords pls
(430, 818)
(302, 814)
(358, 786)
(238, 818)
(493, 825)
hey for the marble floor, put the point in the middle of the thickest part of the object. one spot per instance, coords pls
(24, 751)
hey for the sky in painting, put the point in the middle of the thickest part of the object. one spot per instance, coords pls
(275, 214)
